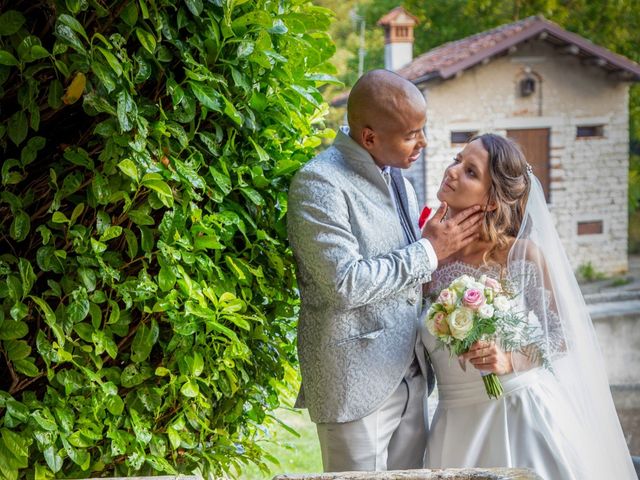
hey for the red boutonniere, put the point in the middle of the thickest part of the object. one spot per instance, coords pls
(426, 211)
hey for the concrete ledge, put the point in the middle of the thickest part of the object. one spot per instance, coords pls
(161, 477)
(448, 474)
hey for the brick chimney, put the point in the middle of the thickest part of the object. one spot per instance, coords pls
(398, 38)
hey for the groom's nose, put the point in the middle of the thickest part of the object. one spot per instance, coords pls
(422, 140)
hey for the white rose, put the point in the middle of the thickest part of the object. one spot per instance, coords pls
(486, 311)
(461, 283)
(501, 303)
(461, 322)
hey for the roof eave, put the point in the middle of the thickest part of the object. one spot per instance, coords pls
(534, 30)
(500, 47)
(427, 78)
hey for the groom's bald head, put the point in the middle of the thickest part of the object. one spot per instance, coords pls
(379, 98)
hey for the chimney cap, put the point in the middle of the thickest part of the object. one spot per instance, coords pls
(398, 16)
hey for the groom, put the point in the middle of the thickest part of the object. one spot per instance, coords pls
(352, 222)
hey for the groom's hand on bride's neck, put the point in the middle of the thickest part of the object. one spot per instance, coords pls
(453, 234)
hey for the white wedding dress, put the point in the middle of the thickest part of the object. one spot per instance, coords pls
(529, 426)
(559, 421)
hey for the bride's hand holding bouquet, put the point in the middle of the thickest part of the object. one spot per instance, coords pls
(488, 357)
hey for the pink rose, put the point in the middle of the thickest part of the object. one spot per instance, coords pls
(473, 298)
(493, 284)
(447, 298)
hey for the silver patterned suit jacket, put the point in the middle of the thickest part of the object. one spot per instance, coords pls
(360, 284)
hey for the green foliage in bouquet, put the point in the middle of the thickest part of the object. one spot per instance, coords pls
(147, 295)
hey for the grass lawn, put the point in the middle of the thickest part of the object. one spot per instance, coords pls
(296, 454)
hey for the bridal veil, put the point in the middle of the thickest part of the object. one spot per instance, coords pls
(565, 343)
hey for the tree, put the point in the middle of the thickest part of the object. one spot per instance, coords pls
(147, 293)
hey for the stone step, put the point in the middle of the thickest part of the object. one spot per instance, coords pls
(614, 309)
(612, 296)
(448, 474)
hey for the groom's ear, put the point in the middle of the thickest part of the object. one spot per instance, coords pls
(368, 137)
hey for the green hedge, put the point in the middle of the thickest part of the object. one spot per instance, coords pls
(147, 292)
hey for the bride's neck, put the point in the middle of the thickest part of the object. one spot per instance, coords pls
(472, 253)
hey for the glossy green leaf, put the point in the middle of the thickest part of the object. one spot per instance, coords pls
(105, 75)
(78, 310)
(126, 109)
(162, 189)
(19, 311)
(66, 34)
(190, 389)
(59, 217)
(10, 22)
(114, 404)
(74, 24)
(54, 461)
(147, 40)
(17, 127)
(13, 330)
(206, 95)
(231, 112)
(221, 180)
(111, 59)
(54, 99)
(143, 342)
(113, 231)
(27, 276)
(30, 151)
(14, 449)
(7, 58)
(17, 349)
(194, 6)
(27, 367)
(50, 318)
(130, 14)
(20, 226)
(166, 278)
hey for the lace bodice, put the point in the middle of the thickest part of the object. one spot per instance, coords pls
(445, 274)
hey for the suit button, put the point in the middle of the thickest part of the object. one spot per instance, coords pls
(412, 300)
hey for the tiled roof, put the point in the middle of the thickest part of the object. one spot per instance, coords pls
(396, 13)
(452, 53)
(447, 60)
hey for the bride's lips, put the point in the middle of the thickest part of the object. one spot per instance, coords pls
(448, 186)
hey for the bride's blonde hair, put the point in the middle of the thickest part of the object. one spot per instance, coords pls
(509, 190)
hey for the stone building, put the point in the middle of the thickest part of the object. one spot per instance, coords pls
(563, 98)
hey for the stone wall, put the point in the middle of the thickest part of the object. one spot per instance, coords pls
(588, 176)
(617, 326)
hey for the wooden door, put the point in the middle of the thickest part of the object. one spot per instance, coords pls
(535, 145)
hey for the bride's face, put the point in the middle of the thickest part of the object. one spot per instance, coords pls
(467, 180)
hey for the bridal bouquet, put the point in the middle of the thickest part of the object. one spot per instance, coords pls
(469, 310)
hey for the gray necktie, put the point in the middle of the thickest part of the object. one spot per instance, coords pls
(396, 198)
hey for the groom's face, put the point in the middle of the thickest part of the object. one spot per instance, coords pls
(398, 141)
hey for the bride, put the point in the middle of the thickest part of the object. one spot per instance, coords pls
(556, 415)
